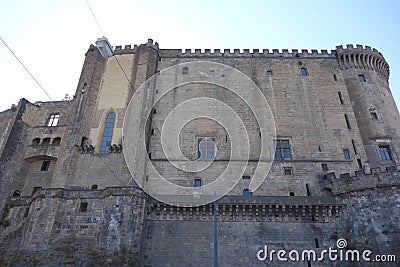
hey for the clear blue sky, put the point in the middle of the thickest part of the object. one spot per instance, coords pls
(51, 37)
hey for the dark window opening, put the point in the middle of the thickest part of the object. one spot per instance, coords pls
(374, 116)
(319, 149)
(154, 111)
(288, 171)
(316, 243)
(347, 121)
(283, 150)
(26, 213)
(291, 194)
(346, 153)
(94, 187)
(303, 72)
(247, 193)
(57, 141)
(246, 177)
(197, 182)
(149, 155)
(324, 167)
(360, 166)
(354, 146)
(361, 78)
(45, 165)
(36, 142)
(16, 193)
(35, 189)
(46, 141)
(308, 190)
(83, 207)
(152, 131)
(334, 77)
(385, 152)
(269, 72)
(340, 98)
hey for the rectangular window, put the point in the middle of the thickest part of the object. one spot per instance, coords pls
(53, 120)
(346, 153)
(246, 177)
(206, 148)
(361, 78)
(197, 182)
(324, 167)
(283, 150)
(45, 165)
(334, 77)
(374, 116)
(83, 207)
(385, 152)
(347, 121)
(287, 171)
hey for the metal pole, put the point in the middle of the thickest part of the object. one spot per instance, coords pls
(215, 232)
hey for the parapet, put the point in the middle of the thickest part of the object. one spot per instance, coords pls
(129, 50)
(362, 58)
(350, 57)
(376, 178)
(252, 53)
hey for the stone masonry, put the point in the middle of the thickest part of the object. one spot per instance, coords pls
(335, 173)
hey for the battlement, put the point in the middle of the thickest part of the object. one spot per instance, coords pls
(362, 58)
(376, 178)
(129, 50)
(246, 53)
(352, 56)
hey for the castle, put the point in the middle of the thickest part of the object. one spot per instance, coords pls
(79, 189)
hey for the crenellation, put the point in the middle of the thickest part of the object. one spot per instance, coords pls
(245, 53)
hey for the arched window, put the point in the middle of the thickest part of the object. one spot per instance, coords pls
(107, 133)
(46, 141)
(303, 72)
(35, 141)
(16, 193)
(57, 141)
(269, 72)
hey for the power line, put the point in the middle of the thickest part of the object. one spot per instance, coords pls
(98, 25)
